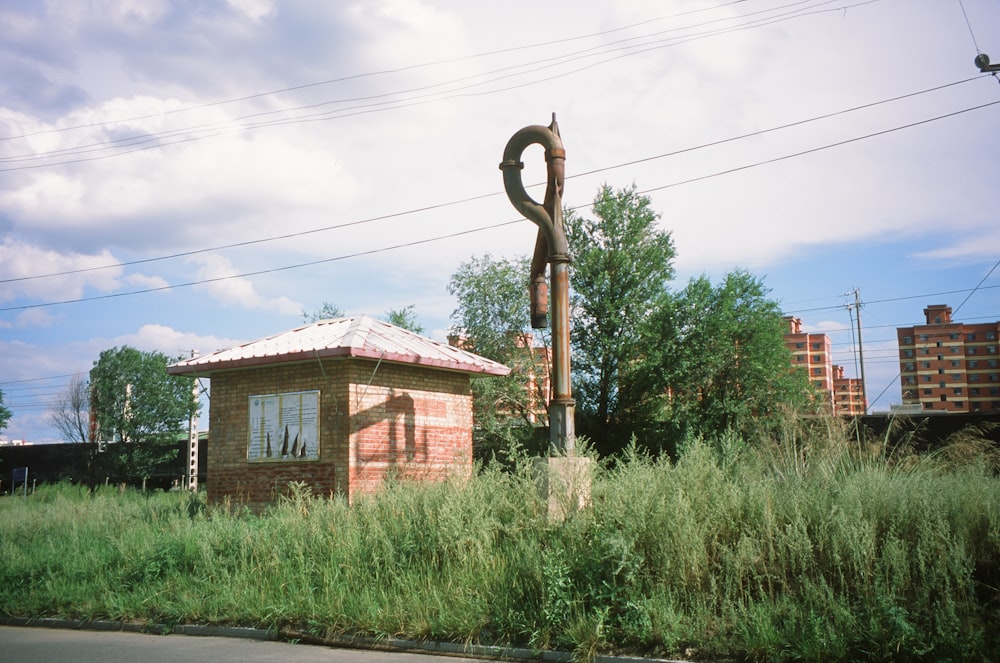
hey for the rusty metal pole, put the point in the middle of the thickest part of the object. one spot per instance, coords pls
(551, 247)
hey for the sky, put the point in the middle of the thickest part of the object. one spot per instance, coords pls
(183, 176)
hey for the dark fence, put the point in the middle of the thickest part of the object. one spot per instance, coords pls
(51, 463)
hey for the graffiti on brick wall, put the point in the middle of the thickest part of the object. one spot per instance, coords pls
(284, 426)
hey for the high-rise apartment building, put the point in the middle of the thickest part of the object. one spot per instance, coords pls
(813, 352)
(848, 394)
(949, 366)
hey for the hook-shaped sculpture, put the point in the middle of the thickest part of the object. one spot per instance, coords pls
(550, 247)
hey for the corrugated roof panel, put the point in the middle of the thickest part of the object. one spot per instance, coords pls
(355, 336)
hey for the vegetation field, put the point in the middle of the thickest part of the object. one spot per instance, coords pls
(799, 549)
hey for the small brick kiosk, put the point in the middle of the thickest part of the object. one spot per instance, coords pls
(337, 404)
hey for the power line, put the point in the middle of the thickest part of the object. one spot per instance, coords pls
(272, 270)
(492, 226)
(496, 193)
(382, 72)
(219, 128)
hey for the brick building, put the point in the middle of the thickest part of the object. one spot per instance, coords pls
(813, 352)
(339, 405)
(848, 394)
(948, 366)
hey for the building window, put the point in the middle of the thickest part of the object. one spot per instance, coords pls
(970, 337)
(956, 376)
(907, 340)
(909, 367)
(817, 371)
(974, 377)
(927, 392)
(923, 337)
(799, 346)
(974, 391)
(993, 377)
(992, 363)
(908, 353)
(817, 358)
(944, 398)
(928, 406)
(957, 392)
(955, 349)
(991, 349)
(926, 351)
(938, 344)
(959, 405)
(990, 336)
(971, 351)
(953, 336)
(925, 364)
(927, 378)
(973, 363)
(955, 363)
(816, 346)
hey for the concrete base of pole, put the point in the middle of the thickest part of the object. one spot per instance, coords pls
(563, 484)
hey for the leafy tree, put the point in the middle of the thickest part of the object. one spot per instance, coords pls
(720, 363)
(621, 265)
(492, 311)
(140, 408)
(405, 318)
(324, 312)
(5, 414)
(71, 417)
(492, 319)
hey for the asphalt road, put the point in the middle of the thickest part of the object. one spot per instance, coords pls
(47, 645)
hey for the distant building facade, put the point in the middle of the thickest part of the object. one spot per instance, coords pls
(813, 353)
(948, 366)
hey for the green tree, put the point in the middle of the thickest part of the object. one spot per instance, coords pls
(5, 414)
(141, 410)
(492, 310)
(492, 319)
(720, 363)
(621, 265)
(324, 312)
(405, 318)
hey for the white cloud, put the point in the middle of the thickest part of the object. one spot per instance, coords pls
(28, 267)
(237, 292)
(253, 9)
(171, 342)
(146, 282)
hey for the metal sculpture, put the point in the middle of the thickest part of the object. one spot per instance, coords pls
(552, 249)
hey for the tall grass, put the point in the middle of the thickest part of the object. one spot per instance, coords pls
(810, 547)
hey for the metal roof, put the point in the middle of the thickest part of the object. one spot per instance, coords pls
(354, 336)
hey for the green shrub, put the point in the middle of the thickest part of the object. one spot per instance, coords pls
(809, 547)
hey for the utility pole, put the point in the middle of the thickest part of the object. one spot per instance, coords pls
(861, 351)
(192, 470)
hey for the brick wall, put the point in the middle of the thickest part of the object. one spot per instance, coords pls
(374, 420)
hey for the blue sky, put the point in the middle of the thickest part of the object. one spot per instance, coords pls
(279, 155)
